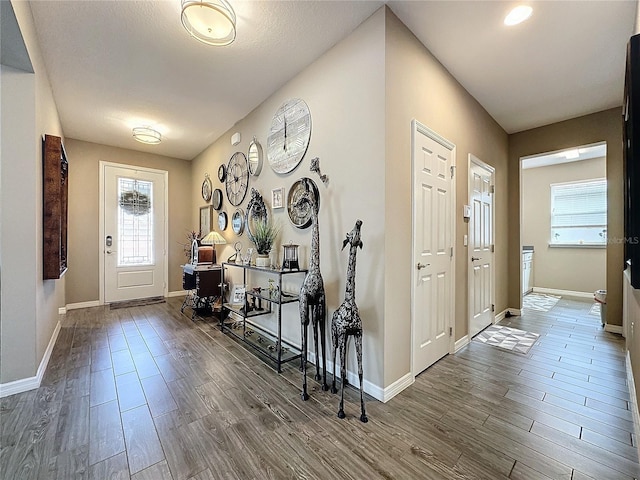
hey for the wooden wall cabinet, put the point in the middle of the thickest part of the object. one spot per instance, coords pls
(55, 199)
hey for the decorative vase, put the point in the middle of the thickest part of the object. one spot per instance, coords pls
(262, 260)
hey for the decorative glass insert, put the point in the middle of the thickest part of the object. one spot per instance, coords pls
(135, 222)
(579, 213)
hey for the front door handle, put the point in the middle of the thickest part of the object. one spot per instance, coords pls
(420, 266)
(473, 259)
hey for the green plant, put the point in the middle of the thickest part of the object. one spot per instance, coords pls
(264, 236)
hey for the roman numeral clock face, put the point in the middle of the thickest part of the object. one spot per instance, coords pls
(289, 135)
(237, 179)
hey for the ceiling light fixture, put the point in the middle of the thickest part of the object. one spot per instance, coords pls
(147, 135)
(518, 15)
(212, 22)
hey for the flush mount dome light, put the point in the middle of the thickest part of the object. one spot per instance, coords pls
(518, 15)
(211, 22)
(147, 135)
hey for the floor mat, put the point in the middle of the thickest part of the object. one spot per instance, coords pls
(540, 302)
(507, 338)
(595, 309)
(140, 302)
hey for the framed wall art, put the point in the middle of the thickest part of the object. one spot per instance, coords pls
(206, 220)
(277, 198)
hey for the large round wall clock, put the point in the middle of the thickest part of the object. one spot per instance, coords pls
(237, 180)
(301, 215)
(289, 135)
(206, 188)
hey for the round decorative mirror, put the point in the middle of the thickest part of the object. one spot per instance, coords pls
(254, 156)
(256, 210)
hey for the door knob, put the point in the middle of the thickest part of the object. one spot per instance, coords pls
(420, 266)
(473, 259)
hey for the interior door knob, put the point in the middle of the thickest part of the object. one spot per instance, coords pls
(420, 266)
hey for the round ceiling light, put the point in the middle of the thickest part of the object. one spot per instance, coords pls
(518, 15)
(147, 135)
(211, 22)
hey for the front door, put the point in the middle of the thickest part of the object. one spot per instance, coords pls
(433, 159)
(480, 246)
(134, 232)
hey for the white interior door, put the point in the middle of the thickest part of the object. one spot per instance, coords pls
(433, 158)
(480, 246)
(133, 232)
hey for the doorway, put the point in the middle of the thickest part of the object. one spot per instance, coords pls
(433, 160)
(563, 233)
(133, 232)
(481, 246)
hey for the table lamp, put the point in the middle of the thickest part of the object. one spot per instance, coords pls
(213, 238)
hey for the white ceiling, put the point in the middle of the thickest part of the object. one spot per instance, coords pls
(114, 65)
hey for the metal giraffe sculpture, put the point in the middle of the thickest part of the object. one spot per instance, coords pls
(312, 297)
(346, 321)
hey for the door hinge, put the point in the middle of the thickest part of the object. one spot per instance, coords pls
(493, 189)
(493, 307)
(450, 331)
(493, 248)
(453, 170)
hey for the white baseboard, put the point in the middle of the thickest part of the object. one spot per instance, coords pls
(514, 312)
(30, 383)
(613, 328)
(563, 293)
(633, 398)
(62, 310)
(461, 343)
(396, 387)
(501, 316)
(179, 293)
(75, 306)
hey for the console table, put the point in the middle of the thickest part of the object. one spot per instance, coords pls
(256, 303)
(204, 287)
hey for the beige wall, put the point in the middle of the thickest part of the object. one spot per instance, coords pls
(344, 89)
(29, 312)
(594, 128)
(84, 245)
(418, 86)
(575, 269)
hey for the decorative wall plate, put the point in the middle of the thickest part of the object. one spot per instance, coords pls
(217, 199)
(237, 222)
(254, 157)
(206, 188)
(289, 135)
(237, 180)
(301, 216)
(222, 221)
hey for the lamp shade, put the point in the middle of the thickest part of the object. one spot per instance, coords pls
(213, 238)
(212, 22)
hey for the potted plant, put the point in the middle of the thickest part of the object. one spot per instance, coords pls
(264, 236)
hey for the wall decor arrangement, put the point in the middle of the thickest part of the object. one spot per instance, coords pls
(237, 180)
(346, 322)
(237, 222)
(216, 199)
(206, 220)
(315, 167)
(254, 157)
(222, 172)
(55, 199)
(313, 306)
(222, 221)
(300, 213)
(289, 135)
(207, 188)
(277, 198)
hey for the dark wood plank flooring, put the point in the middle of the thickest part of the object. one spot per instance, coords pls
(145, 393)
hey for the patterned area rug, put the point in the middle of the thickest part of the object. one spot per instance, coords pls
(141, 302)
(540, 302)
(595, 309)
(507, 338)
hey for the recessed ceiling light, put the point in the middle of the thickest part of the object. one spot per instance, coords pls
(147, 135)
(518, 15)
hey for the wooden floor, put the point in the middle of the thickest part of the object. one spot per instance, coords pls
(145, 393)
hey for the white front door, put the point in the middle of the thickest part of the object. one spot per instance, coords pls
(433, 159)
(480, 246)
(134, 232)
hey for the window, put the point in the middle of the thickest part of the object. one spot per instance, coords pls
(135, 222)
(579, 213)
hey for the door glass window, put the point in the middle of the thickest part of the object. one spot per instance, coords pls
(135, 222)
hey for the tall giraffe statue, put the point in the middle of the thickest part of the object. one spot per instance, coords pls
(312, 296)
(346, 321)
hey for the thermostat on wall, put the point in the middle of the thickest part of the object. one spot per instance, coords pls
(466, 211)
(235, 138)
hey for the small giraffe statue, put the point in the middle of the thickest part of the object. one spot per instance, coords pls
(312, 296)
(346, 321)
